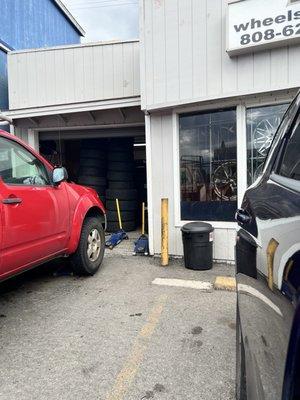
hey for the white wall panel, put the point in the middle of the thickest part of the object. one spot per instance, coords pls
(172, 50)
(73, 74)
(184, 59)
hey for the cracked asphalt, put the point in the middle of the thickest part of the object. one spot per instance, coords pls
(116, 335)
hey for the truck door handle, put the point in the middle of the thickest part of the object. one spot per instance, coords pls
(12, 200)
(242, 216)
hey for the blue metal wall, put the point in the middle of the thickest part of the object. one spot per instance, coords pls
(35, 23)
(26, 24)
(3, 81)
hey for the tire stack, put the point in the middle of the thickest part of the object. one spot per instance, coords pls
(121, 185)
(141, 185)
(92, 171)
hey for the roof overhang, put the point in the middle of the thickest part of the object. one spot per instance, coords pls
(5, 47)
(77, 107)
(70, 16)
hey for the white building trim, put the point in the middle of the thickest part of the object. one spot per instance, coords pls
(70, 16)
(75, 107)
(4, 48)
(241, 138)
(233, 97)
(149, 183)
(74, 46)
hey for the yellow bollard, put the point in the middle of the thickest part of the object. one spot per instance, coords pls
(164, 232)
(271, 249)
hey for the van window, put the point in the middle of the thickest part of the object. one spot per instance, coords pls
(290, 164)
(19, 167)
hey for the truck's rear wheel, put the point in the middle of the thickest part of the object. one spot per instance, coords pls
(90, 251)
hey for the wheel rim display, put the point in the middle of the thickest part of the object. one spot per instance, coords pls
(264, 133)
(225, 181)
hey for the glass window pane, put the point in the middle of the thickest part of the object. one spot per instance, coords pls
(208, 166)
(290, 166)
(19, 167)
(262, 123)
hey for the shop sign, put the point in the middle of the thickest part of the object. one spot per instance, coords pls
(255, 25)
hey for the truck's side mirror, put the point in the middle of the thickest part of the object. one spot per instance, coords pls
(59, 175)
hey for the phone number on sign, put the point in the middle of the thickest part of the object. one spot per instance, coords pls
(269, 34)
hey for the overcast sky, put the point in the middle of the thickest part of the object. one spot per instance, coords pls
(106, 19)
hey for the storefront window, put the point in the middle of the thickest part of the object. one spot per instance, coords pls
(208, 166)
(262, 123)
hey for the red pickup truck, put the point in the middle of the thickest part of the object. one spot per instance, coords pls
(42, 216)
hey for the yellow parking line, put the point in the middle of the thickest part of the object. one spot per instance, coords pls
(131, 366)
(225, 283)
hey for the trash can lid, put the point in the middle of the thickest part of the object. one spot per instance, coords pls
(197, 227)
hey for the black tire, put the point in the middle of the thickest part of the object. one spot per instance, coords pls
(241, 386)
(140, 176)
(92, 171)
(121, 145)
(120, 166)
(81, 263)
(99, 189)
(119, 176)
(121, 185)
(93, 162)
(122, 194)
(100, 193)
(128, 226)
(93, 153)
(120, 156)
(129, 205)
(112, 216)
(94, 143)
(92, 180)
(125, 147)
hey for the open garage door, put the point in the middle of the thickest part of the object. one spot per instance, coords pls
(112, 161)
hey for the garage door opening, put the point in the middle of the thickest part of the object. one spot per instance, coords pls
(114, 166)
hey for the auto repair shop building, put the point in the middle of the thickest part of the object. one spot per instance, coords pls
(204, 89)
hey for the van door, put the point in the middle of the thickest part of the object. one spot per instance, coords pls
(35, 216)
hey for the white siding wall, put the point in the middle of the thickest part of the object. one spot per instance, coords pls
(184, 59)
(73, 74)
(22, 133)
(162, 171)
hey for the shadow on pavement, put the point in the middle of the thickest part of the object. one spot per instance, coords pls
(45, 272)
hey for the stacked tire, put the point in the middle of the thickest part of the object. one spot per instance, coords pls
(141, 186)
(121, 185)
(92, 171)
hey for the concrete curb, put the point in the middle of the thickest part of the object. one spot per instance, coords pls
(225, 283)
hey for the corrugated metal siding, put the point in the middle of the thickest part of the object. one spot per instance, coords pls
(35, 23)
(3, 81)
(183, 54)
(162, 164)
(31, 24)
(73, 75)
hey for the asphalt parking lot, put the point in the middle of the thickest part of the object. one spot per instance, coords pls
(116, 336)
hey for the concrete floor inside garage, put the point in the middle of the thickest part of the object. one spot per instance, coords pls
(116, 335)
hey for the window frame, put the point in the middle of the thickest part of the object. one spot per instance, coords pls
(49, 184)
(275, 176)
(178, 222)
(279, 103)
(215, 110)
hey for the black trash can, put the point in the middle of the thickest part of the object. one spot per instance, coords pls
(198, 245)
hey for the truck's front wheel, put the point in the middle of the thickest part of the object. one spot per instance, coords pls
(90, 251)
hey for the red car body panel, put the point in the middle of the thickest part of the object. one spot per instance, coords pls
(46, 224)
